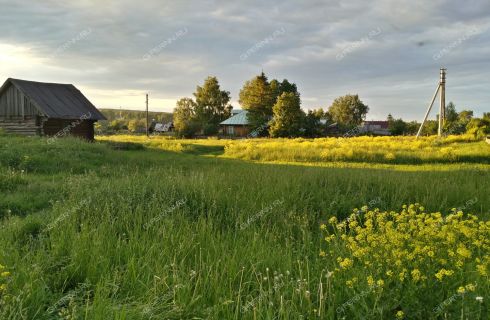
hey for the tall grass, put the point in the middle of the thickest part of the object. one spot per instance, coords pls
(94, 231)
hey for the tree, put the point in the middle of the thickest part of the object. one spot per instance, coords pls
(412, 127)
(135, 126)
(348, 111)
(480, 128)
(451, 113)
(184, 118)
(465, 116)
(211, 105)
(257, 97)
(312, 123)
(390, 118)
(278, 88)
(115, 125)
(288, 116)
(430, 128)
(486, 115)
(397, 127)
(101, 127)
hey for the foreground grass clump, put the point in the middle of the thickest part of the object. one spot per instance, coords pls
(389, 259)
(396, 150)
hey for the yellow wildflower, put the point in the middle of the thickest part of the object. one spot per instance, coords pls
(463, 251)
(443, 272)
(481, 269)
(370, 281)
(346, 263)
(470, 287)
(332, 220)
(416, 274)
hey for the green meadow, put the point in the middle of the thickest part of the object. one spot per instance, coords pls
(131, 228)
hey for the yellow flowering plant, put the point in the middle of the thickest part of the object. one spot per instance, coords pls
(409, 251)
(4, 276)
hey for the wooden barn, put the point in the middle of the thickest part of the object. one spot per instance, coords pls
(51, 109)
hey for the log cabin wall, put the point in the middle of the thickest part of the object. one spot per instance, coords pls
(62, 127)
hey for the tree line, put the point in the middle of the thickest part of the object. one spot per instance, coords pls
(274, 109)
(133, 121)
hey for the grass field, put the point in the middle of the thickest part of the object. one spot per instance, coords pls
(137, 228)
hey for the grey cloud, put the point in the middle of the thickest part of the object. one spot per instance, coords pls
(394, 71)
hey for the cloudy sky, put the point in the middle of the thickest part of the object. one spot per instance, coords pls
(387, 51)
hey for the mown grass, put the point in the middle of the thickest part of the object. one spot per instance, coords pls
(110, 230)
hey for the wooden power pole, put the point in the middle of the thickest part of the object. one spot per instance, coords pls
(147, 118)
(441, 88)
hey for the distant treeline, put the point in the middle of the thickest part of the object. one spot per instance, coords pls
(119, 120)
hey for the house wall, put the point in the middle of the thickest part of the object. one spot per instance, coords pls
(238, 130)
(62, 127)
(15, 105)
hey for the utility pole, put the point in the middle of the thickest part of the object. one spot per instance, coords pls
(441, 88)
(442, 113)
(147, 119)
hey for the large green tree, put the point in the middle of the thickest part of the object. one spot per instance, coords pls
(257, 97)
(288, 116)
(185, 118)
(278, 88)
(348, 111)
(212, 105)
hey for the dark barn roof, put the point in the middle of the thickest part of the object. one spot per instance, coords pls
(60, 101)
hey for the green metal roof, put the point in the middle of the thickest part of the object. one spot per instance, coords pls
(238, 119)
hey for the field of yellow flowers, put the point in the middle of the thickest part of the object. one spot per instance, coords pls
(389, 150)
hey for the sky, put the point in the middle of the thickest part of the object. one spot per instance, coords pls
(387, 51)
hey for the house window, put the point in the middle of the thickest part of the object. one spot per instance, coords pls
(230, 130)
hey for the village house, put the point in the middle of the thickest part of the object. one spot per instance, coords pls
(51, 109)
(163, 127)
(237, 125)
(375, 127)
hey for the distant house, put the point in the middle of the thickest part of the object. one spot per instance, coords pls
(237, 125)
(164, 127)
(375, 127)
(52, 109)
